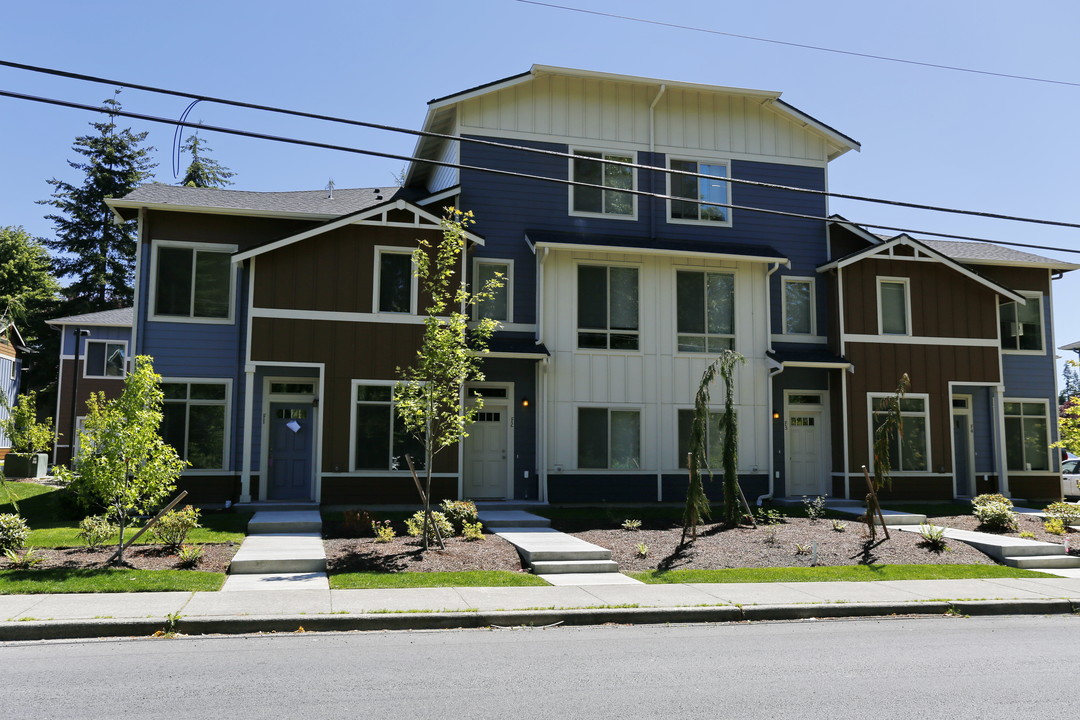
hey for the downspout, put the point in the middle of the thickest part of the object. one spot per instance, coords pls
(141, 235)
(768, 305)
(542, 391)
(652, 159)
(771, 439)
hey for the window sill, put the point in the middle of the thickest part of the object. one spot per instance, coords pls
(604, 216)
(192, 320)
(700, 223)
(1023, 352)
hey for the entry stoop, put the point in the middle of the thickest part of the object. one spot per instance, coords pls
(283, 550)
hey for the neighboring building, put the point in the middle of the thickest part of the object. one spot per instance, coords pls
(12, 348)
(278, 319)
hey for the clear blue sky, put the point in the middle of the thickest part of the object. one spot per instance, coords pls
(928, 136)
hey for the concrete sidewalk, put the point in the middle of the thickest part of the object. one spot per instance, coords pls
(36, 617)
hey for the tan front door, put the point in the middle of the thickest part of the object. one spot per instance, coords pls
(485, 453)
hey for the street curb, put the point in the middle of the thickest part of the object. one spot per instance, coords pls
(248, 624)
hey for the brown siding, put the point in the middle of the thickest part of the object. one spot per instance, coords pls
(944, 303)
(843, 242)
(1038, 487)
(210, 489)
(1034, 279)
(87, 386)
(244, 232)
(383, 491)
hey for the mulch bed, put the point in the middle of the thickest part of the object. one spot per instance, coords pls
(772, 546)
(407, 554)
(215, 558)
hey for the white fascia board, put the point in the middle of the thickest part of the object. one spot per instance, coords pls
(812, 364)
(840, 141)
(659, 251)
(441, 195)
(420, 139)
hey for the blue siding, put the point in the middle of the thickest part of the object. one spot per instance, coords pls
(982, 427)
(96, 333)
(794, 379)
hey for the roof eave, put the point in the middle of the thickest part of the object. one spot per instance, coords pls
(660, 251)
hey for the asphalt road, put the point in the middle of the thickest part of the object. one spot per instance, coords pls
(1002, 667)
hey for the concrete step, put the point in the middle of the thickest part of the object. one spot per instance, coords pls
(892, 517)
(559, 567)
(277, 581)
(545, 544)
(511, 518)
(604, 578)
(1039, 562)
(279, 553)
(285, 521)
(275, 506)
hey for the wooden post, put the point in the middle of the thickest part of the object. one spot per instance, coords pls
(749, 512)
(877, 503)
(424, 499)
(153, 521)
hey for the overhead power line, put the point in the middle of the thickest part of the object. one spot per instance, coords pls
(508, 146)
(495, 171)
(804, 46)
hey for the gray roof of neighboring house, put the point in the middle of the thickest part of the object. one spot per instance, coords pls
(988, 253)
(122, 317)
(304, 202)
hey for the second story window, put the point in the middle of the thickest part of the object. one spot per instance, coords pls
(894, 306)
(497, 307)
(607, 307)
(798, 306)
(104, 359)
(607, 200)
(698, 190)
(1021, 325)
(705, 311)
(193, 282)
(395, 290)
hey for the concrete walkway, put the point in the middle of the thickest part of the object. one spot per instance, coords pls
(35, 617)
(282, 551)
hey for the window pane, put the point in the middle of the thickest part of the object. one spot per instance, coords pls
(175, 391)
(716, 344)
(592, 298)
(1014, 443)
(395, 282)
(207, 391)
(715, 447)
(624, 298)
(592, 438)
(623, 341)
(206, 436)
(95, 358)
(712, 191)
(496, 306)
(212, 284)
(797, 308)
(1030, 324)
(114, 360)
(406, 443)
(684, 187)
(893, 308)
(588, 171)
(690, 296)
(1036, 456)
(913, 452)
(592, 341)
(685, 422)
(692, 343)
(173, 291)
(625, 440)
(173, 418)
(911, 405)
(373, 437)
(373, 393)
(721, 303)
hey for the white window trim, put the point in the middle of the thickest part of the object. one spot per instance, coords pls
(699, 222)
(616, 408)
(404, 469)
(577, 300)
(508, 284)
(633, 184)
(784, 305)
(86, 358)
(226, 450)
(1042, 325)
(197, 246)
(1046, 417)
(906, 282)
(925, 397)
(377, 280)
(734, 316)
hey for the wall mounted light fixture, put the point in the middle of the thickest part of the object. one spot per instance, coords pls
(524, 402)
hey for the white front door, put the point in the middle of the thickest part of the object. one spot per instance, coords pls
(804, 452)
(485, 452)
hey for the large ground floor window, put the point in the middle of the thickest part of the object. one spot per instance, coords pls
(380, 441)
(909, 449)
(609, 438)
(1026, 436)
(194, 422)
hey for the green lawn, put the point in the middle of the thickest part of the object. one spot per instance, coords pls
(477, 578)
(857, 573)
(107, 580)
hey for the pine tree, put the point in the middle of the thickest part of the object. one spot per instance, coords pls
(90, 248)
(203, 171)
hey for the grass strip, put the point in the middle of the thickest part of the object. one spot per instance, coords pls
(106, 580)
(472, 578)
(842, 573)
(217, 528)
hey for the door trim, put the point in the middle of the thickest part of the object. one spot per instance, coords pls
(967, 411)
(825, 459)
(316, 445)
(510, 405)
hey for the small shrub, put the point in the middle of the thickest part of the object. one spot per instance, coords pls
(96, 530)
(1068, 513)
(995, 516)
(933, 538)
(839, 525)
(190, 555)
(991, 499)
(815, 508)
(769, 516)
(173, 527)
(801, 549)
(1054, 526)
(415, 525)
(473, 531)
(631, 525)
(642, 550)
(459, 512)
(384, 531)
(358, 522)
(770, 538)
(1027, 535)
(24, 560)
(13, 532)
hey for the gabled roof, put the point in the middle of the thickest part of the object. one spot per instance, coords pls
(920, 248)
(121, 317)
(655, 246)
(377, 215)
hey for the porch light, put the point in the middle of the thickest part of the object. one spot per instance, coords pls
(776, 416)
(524, 402)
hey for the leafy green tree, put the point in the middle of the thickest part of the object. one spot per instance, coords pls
(123, 464)
(27, 435)
(429, 394)
(27, 285)
(204, 171)
(1069, 420)
(90, 247)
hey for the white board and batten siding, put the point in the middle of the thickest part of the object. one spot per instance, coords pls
(607, 113)
(656, 380)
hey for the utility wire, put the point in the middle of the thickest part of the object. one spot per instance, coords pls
(804, 46)
(508, 146)
(505, 173)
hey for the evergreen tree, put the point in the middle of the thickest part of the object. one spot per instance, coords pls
(1072, 384)
(203, 171)
(90, 248)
